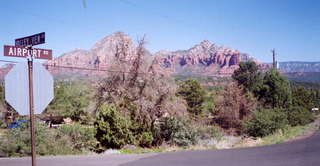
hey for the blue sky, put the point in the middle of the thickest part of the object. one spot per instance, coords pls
(255, 27)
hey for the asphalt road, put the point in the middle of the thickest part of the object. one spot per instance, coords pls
(304, 152)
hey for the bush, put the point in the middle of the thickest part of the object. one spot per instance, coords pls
(2, 124)
(82, 137)
(185, 137)
(176, 131)
(66, 140)
(17, 142)
(266, 122)
(208, 132)
(145, 139)
(113, 129)
(302, 97)
(299, 116)
(48, 142)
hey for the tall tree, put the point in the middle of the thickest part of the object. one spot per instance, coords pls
(71, 100)
(136, 89)
(276, 91)
(234, 106)
(191, 91)
(248, 76)
(317, 98)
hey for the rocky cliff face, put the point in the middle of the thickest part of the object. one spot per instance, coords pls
(98, 56)
(205, 58)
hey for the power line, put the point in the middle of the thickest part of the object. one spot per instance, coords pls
(93, 69)
(79, 68)
(8, 61)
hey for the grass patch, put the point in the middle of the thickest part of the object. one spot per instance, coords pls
(283, 135)
(142, 150)
(2, 131)
(168, 149)
(287, 134)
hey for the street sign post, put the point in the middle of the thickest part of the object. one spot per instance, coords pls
(24, 52)
(31, 40)
(18, 99)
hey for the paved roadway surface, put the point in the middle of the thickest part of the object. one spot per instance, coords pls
(304, 152)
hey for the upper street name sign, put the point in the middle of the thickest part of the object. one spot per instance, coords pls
(24, 52)
(31, 40)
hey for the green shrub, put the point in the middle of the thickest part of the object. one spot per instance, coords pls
(2, 124)
(266, 122)
(113, 129)
(208, 132)
(302, 97)
(145, 139)
(48, 142)
(176, 131)
(66, 140)
(17, 142)
(82, 137)
(185, 137)
(299, 116)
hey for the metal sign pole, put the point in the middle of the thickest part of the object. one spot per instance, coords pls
(31, 108)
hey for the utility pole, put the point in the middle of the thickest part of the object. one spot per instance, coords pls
(274, 62)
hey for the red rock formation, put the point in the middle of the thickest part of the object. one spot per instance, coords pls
(212, 59)
(205, 58)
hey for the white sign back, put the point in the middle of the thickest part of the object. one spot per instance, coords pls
(17, 88)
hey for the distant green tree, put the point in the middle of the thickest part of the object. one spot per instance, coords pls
(191, 91)
(249, 76)
(208, 104)
(71, 100)
(316, 98)
(275, 91)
